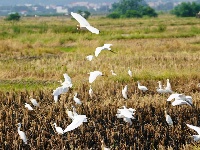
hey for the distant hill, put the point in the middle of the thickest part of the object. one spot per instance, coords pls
(46, 2)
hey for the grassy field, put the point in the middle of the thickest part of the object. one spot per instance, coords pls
(36, 52)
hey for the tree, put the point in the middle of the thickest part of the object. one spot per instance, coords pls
(85, 13)
(133, 8)
(186, 9)
(14, 16)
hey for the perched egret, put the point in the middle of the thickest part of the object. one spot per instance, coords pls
(34, 102)
(59, 130)
(114, 74)
(28, 106)
(125, 92)
(73, 113)
(104, 47)
(89, 57)
(84, 24)
(168, 119)
(197, 129)
(180, 99)
(22, 134)
(77, 121)
(94, 75)
(130, 73)
(126, 114)
(168, 88)
(142, 88)
(76, 99)
(90, 91)
(160, 88)
(67, 82)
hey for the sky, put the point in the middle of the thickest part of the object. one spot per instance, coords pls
(58, 2)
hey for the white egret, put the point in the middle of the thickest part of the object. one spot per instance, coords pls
(160, 88)
(71, 114)
(58, 91)
(89, 57)
(125, 92)
(22, 134)
(34, 102)
(141, 87)
(180, 99)
(84, 24)
(94, 75)
(67, 82)
(59, 130)
(126, 114)
(130, 73)
(91, 91)
(28, 106)
(114, 74)
(104, 47)
(197, 129)
(77, 121)
(168, 88)
(168, 119)
(76, 99)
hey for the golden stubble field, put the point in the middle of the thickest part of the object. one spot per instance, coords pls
(36, 52)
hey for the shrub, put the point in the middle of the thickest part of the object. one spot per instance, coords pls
(14, 16)
(114, 15)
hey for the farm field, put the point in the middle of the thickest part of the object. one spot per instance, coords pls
(36, 52)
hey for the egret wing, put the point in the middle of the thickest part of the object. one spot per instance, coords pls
(197, 129)
(179, 102)
(80, 19)
(92, 29)
(172, 96)
(78, 120)
(98, 51)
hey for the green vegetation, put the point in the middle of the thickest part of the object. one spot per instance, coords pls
(13, 17)
(131, 9)
(186, 9)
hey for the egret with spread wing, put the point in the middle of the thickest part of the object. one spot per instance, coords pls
(84, 24)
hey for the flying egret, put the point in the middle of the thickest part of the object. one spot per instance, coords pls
(34, 102)
(168, 119)
(59, 130)
(58, 91)
(197, 129)
(168, 88)
(89, 57)
(126, 114)
(22, 134)
(77, 121)
(142, 88)
(130, 72)
(104, 47)
(84, 24)
(94, 75)
(180, 99)
(125, 92)
(28, 106)
(90, 91)
(114, 74)
(76, 99)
